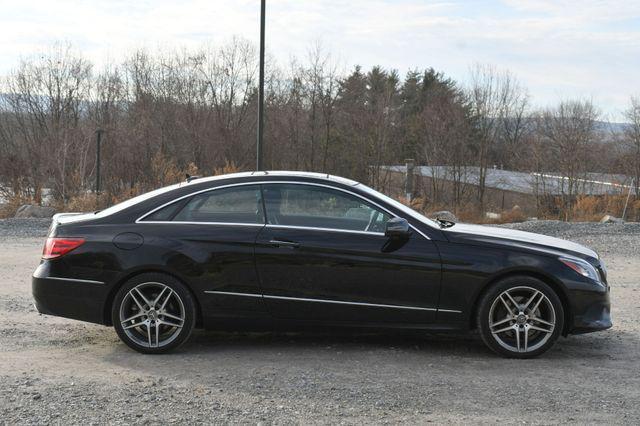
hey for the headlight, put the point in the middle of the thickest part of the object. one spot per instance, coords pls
(582, 267)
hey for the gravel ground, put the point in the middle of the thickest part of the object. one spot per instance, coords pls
(23, 228)
(54, 370)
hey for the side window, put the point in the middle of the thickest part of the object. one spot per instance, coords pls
(240, 204)
(320, 207)
(165, 213)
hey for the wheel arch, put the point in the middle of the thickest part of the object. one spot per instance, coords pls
(126, 277)
(548, 279)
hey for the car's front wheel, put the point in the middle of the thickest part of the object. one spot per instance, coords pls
(520, 317)
(153, 313)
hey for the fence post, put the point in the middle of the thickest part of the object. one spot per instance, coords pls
(408, 181)
(624, 211)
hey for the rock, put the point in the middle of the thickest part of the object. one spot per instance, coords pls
(491, 215)
(443, 214)
(30, 211)
(611, 219)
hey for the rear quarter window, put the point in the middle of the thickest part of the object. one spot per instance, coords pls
(165, 213)
(242, 204)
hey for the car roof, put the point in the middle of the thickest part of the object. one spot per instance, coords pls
(199, 181)
(278, 173)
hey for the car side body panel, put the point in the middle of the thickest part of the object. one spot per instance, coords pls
(342, 276)
(470, 265)
(231, 268)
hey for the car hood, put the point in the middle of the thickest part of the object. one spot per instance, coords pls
(467, 233)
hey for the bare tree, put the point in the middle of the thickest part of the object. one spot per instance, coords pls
(568, 133)
(167, 112)
(498, 104)
(632, 141)
(46, 97)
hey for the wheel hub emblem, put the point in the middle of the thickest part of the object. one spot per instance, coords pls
(521, 319)
(153, 314)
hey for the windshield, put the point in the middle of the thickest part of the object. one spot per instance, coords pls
(397, 204)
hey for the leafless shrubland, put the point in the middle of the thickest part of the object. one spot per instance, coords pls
(194, 111)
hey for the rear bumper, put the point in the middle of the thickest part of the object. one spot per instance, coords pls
(68, 297)
(594, 313)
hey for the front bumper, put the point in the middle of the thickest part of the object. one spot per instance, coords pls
(592, 311)
(73, 298)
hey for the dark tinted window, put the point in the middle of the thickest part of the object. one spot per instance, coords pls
(240, 204)
(165, 213)
(321, 207)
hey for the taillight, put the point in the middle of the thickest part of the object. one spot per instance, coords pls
(56, 247)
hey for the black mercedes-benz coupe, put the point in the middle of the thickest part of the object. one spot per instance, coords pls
(292, 250)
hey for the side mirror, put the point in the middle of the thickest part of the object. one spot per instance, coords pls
(397, 227)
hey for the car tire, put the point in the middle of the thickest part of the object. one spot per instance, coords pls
(153, 313)
(520, 317)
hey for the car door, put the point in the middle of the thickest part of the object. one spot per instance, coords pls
(323, 256)
(211, 235)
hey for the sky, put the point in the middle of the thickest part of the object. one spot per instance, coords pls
(558, 49)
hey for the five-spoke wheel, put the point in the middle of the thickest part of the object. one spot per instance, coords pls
(153, 313)
(520, 317)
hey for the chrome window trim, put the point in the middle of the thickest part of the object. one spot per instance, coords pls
(314, 228)
(185, 222)
(76, 280)
(263, 182)
(337, 302)
(230, 293)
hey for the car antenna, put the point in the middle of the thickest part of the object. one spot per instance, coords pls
(190, 178)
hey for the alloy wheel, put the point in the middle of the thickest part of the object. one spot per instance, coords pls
(522, 319)
(152, 314)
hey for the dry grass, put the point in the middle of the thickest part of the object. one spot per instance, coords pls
(229, 167)
(465, 213)
(584, 209)
(164, 171)
(9, 208)
(590, 208)
(83, 203)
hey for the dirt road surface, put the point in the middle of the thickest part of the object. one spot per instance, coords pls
(54, 370)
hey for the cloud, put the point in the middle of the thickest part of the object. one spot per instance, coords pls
(558, 48)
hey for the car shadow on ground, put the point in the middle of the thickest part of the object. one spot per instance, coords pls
(366, 359)
(205, 341)
(273, 348)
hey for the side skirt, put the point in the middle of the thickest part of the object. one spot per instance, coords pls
(280, 325)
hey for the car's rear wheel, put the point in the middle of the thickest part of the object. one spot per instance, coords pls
(520, 317)
(153, 313)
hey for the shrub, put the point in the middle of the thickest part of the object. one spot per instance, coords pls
(593, 208)
(229, 167)
(587, 208)
(85, 202)
(9, 208)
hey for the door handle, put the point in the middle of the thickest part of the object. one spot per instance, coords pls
(288, 244)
